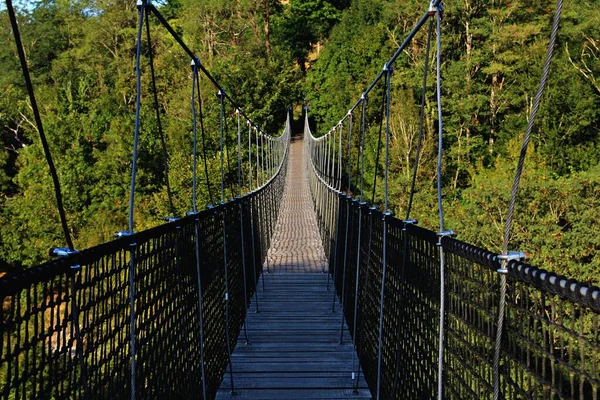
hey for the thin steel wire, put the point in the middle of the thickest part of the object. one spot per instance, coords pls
(513, 195)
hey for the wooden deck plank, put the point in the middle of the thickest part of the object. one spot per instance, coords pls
(294, 349)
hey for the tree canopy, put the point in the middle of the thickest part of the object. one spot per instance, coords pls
(270, 55)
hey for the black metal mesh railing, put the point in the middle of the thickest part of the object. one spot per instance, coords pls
(65, 329)
(551, 341)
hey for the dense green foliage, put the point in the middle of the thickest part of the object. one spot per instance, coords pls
(492, 57)
(82, 56)
(269, 54)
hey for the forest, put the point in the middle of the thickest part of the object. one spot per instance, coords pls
(271, 55)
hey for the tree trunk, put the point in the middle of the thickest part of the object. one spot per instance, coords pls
(267, 16)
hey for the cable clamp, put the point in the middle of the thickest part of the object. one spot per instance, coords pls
(441, 235)
(511, 256)
(121, 234)
(195, 62)
(349, 115)
(386, 67)
(363, 96)
(221, 93)
(62, 252)
(434, 6)
(226, 296)
(237, 111)
(407, 222)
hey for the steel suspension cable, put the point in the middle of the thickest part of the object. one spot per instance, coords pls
(386, 215)
(165, 154)
(221, 96)
(39, 124)
(347, 200)
(227, 155)
(203, 133)
(252, 199)
(241, 210)
(407, 220)
(194, 129)
(379, 143)
(225, 262)
(179, 40)
(359, 246)
(363, 129)
(440, 205)
(349, 154)
(340, 152)
(75, 278)
(421, 120)
(132, 293)
(513, 197)
(196, 86)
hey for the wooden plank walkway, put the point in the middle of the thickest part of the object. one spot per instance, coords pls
(294, 350)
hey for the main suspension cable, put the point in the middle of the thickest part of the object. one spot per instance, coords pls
(513, 197)
(39, 124)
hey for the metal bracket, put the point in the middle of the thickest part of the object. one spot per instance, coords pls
(434, 6)
(65, 252)
(447, 233)
(170, 219)
(409, 222)
(121, 234)
(511, 256)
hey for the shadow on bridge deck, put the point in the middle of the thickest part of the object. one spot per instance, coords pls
(294, 349)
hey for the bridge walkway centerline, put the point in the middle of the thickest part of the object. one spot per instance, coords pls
(294, 349)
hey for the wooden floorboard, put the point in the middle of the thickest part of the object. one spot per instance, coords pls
(294, 349)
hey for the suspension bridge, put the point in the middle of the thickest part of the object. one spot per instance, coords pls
(295, 287)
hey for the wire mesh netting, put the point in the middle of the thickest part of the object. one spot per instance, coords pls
(66, 330)
(551, 341)
(550, 345)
